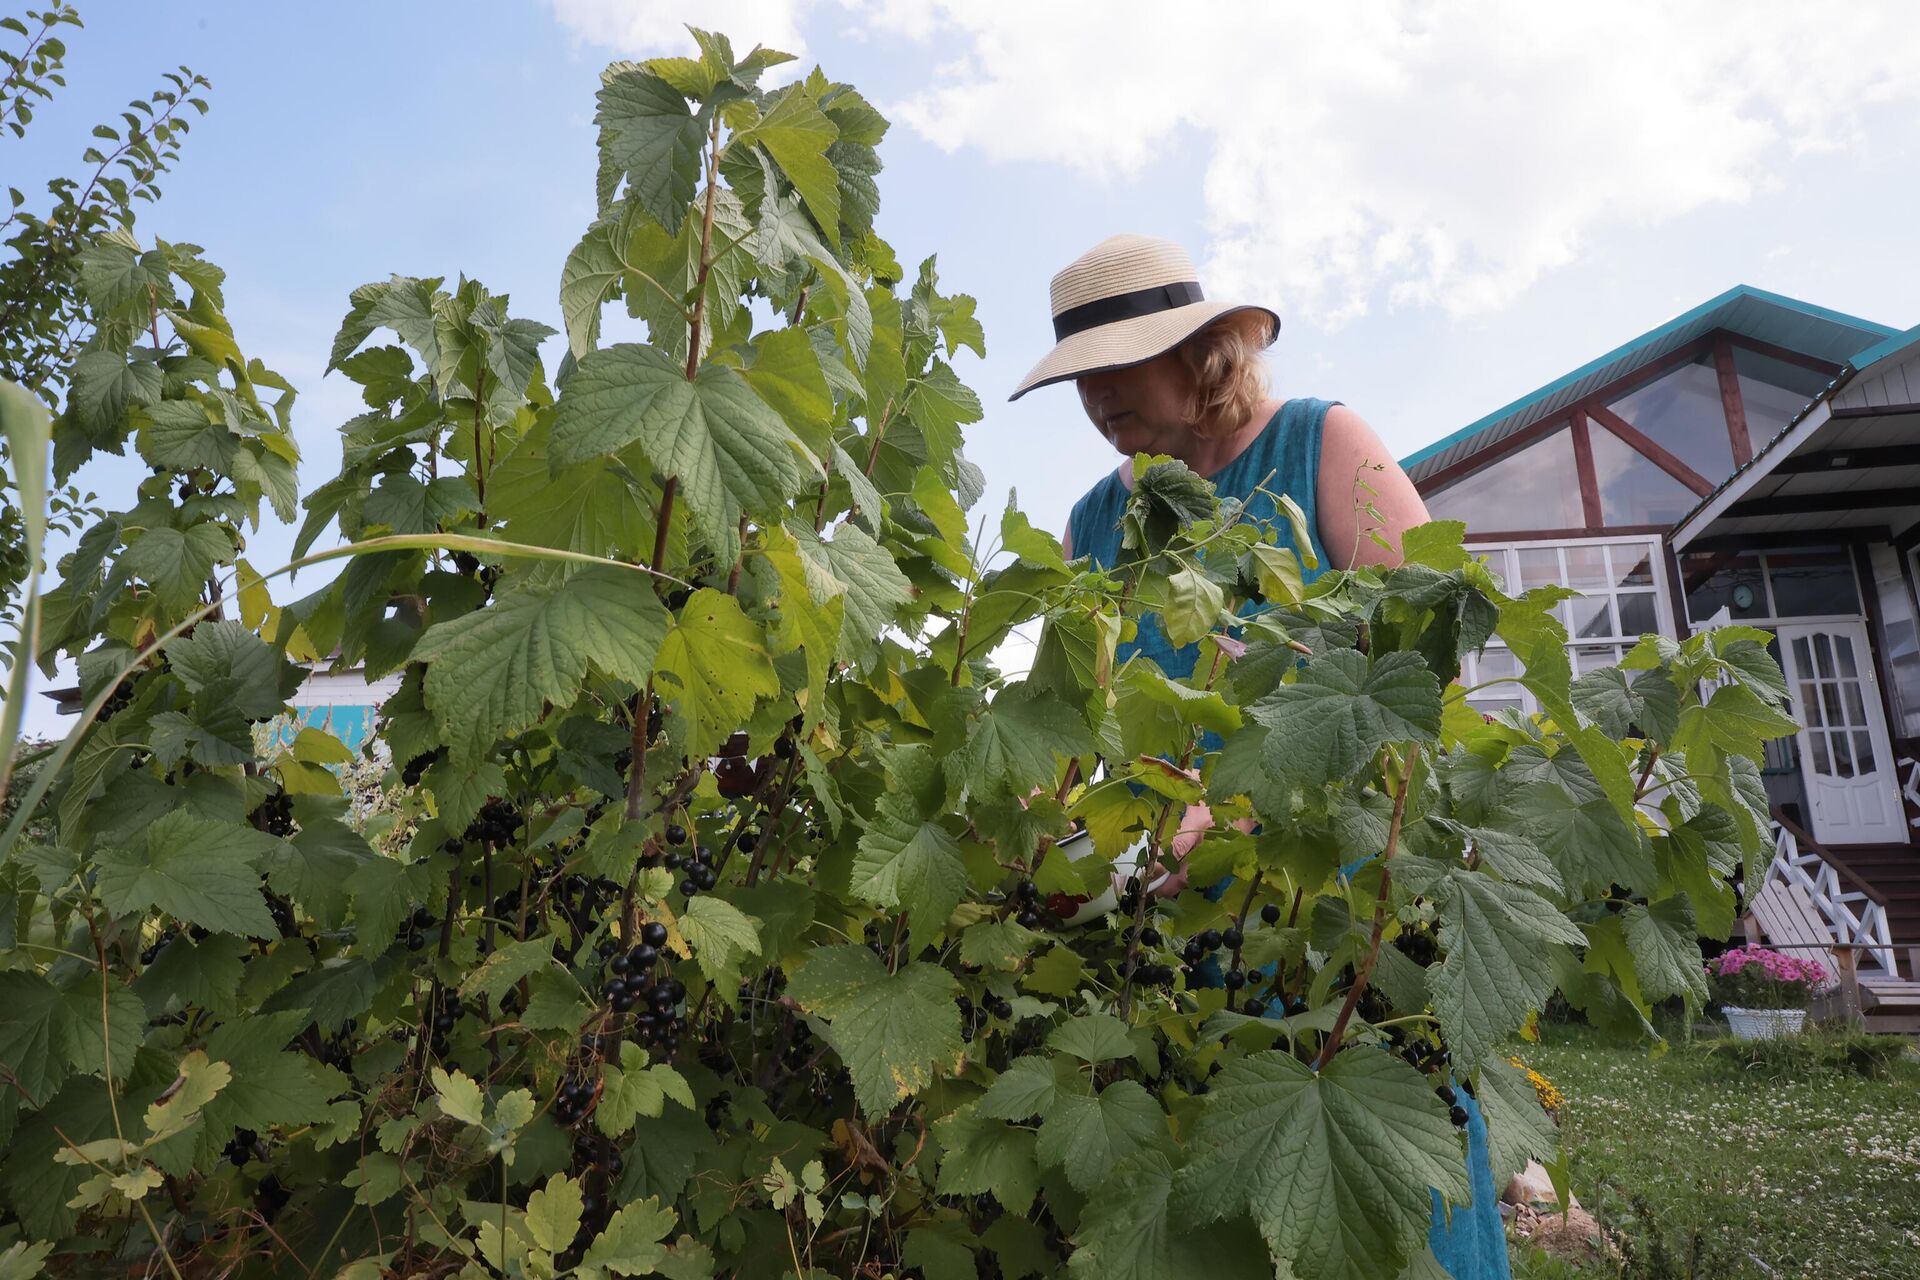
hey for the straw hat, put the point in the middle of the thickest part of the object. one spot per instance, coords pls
(1123, 302)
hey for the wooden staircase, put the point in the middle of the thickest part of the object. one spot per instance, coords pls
(1891, 874)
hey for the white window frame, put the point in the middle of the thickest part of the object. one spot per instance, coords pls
(1581, 651)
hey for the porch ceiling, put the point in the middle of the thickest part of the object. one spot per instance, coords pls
(1853, 469)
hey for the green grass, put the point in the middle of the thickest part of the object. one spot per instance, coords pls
(1726, 1161)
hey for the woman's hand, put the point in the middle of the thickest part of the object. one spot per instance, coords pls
(1194, 825)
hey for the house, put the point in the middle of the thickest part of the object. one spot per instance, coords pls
(1755, 460)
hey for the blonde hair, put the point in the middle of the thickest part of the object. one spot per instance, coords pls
(1230, 380)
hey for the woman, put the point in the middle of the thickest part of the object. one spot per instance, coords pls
(1162, 370)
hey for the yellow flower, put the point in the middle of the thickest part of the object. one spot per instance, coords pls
(1550, 1097)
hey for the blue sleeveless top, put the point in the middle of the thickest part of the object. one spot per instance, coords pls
(1285, 458)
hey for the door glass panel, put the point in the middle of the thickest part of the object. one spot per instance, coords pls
(1863, 751)
(1822, 655)
(1537, 487)
(1817, 751)
(1842, 757)
(1856, 710)
(1633, 489)
(1830, 704)
(1636, 614)
(1810, 704)
(1843, 657)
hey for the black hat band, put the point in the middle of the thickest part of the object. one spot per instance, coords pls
(1126, 306)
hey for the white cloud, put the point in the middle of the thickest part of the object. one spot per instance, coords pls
(649, 28)
(1400, 153)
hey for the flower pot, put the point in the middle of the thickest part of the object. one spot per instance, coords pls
(1764, 1024)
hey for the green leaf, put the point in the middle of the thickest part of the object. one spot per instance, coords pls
(1030, 1086)
(796, 133)
(1615, 703)
(1589, 842)
(591, 272)
(262, 680)
(509, 963)
(494, 670)
(1665, 939)
(1014, 746)
(1496, 968)
(630, 1243)
(648, 133)
(1335, 1168)
(1129, 1231)
(876, 589)
(914, 865)
(785, 372)
(730, 450)
(404, 505)
(985, 1156)
(895, 1032)
(1341, 709)
(202, 872)
(177, 564)
(553, 1213)
(634, 1089)
(594, 508)
(712, 667)
(722, 937)
(49, 1032)
(1193, 607)
(1517, 1129)
(812, 613)
(1087, 1135)
(1095, 1037)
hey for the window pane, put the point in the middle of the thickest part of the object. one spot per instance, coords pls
(1636, 613)
(1632, 564)
(1716, 581)
(1536, 488)
(1539, 567)
(1812, 582)
(1633, 490)
(1591, 618)
(1900, 629)
(1682, 410)
(1591, 657)
(1772, 391)
(1587, 568)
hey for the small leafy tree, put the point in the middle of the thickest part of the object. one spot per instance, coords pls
(718, 919)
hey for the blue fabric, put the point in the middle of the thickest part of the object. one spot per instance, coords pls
(1285, 458)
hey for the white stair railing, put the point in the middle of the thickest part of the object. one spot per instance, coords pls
(1852, 915)
(1910, 784)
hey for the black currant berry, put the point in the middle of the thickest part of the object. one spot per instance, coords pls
(1210, 940)
(1270, 913)
(1231, 938)
(653, 933)
(1458, 1115)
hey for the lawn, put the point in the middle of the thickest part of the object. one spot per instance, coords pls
(1705, 1165)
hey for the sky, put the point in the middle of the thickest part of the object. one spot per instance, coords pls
(1448, 205)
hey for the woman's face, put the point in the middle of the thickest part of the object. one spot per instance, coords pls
(1140, 409)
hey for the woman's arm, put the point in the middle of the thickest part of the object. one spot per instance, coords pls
(1349, 450)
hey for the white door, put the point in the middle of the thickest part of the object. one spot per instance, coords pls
(1844, 754)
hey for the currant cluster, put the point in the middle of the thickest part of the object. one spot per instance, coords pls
(417, 924)
(1027, 894)
(152, 952)
(645, 982)
(631, 972)
(598, 1160)
(239, 1148)
(1417, 945)
(1205, 943)
(282, 912)
(1455, 1112)
(275, 814)
(446, 1012)
(574, 1100)
(414, 769)
(119, 700)
(699, 868)
(496, 824)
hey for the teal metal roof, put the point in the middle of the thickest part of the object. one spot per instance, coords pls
(1743, 309)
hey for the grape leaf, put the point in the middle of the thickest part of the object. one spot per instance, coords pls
(199, 871)
(494, 670)
(893, 1031)
(1334, 1167)
(1496, 968)
(1341, 709)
